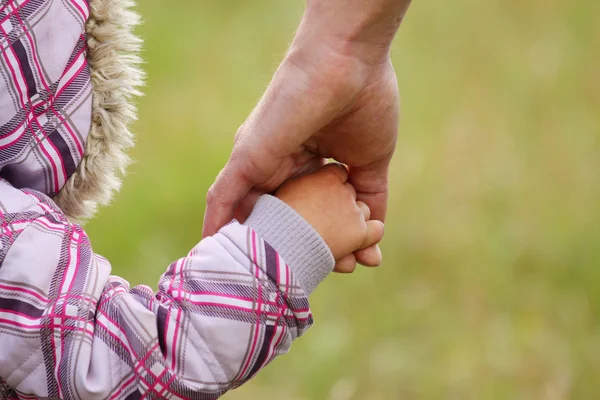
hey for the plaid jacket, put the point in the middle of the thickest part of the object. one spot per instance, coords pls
(67, 328)
(70, 330)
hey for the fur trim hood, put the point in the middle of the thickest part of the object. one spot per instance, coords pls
(71, 71)
(114, 63)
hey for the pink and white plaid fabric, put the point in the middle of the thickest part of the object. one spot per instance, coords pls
(67, 328)
(70, 330)
(45, 91)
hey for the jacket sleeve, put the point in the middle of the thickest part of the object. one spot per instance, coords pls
(70, 330)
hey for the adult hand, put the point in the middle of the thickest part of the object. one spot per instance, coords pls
(334, 96)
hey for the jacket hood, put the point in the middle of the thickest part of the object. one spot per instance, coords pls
(71, 71)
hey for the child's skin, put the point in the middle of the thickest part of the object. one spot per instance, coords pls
(328, 202)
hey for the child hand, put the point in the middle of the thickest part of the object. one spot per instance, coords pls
(328, 202)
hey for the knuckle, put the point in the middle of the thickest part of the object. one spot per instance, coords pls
(211, 195)
(357, 214)
(334, 171)
(329, 173)
(214, 196)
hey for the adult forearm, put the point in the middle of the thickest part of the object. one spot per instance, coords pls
(360, 28)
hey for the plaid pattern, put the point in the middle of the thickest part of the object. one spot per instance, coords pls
(45, 102)
(67, 328)
(70, 330)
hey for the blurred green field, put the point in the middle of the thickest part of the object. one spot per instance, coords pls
(490, 287)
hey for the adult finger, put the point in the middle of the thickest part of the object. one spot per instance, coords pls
(371, 184)
(345, 265)
(308, 167)
(223, 197)
(246, 205)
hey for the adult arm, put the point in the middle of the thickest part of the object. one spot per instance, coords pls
(334, 96)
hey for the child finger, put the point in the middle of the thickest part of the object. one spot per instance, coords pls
(345, 265)
(351, 189)
(369, 257)
(364, 208)
(339, 170)
(374, 233)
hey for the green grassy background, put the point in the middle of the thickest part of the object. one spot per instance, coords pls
(491, 283)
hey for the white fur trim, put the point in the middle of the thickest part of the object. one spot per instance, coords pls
(113, 54)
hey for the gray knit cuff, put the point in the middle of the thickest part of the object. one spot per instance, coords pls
(295, 240)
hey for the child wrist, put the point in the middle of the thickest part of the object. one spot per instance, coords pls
(298, 243)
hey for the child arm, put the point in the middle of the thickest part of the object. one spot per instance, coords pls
(70, 330)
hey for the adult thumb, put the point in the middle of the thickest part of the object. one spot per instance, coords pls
(223, 197)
